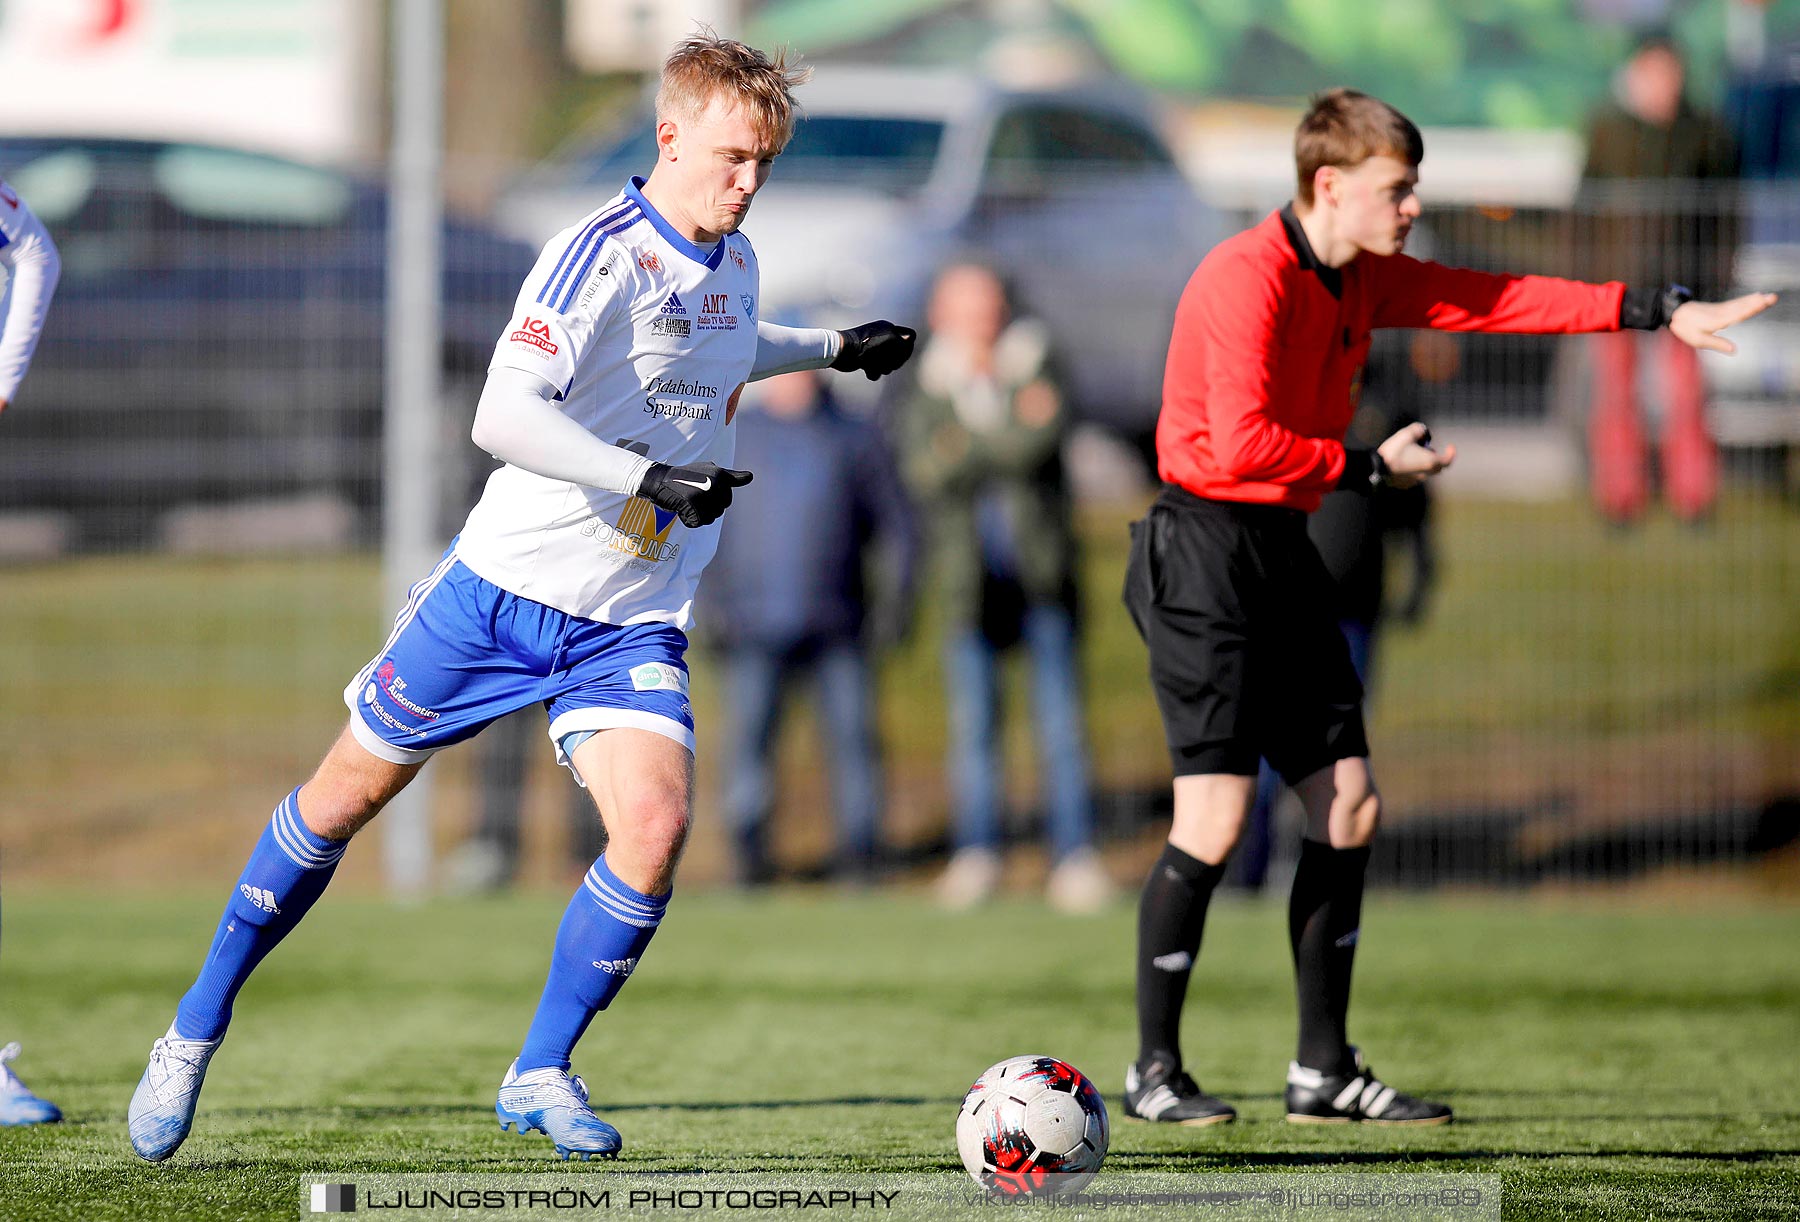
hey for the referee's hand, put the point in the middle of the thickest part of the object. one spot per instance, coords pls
(1409, 457)
(697, 494)
(1697, 323)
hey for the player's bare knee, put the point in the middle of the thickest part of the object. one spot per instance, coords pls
(334, 812)
(1355, 819)
(658, 824)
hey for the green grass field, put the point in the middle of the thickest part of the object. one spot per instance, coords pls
(1605, 1061)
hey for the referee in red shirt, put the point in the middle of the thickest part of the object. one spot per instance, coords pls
(1265, 364)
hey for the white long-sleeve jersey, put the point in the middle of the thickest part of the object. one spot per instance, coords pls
(31, 268)
(644, 340)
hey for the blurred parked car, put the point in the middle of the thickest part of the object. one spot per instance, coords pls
(1070, 191)
(217, 334)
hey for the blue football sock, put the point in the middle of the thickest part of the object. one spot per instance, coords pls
(603, 934)
(287, 871)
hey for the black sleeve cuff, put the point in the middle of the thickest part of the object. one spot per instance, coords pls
(1644, 309)
(1641, 309)
(1359, 471)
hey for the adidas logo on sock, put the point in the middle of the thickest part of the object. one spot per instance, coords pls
(1179, 961)
(261, 897)
(616, 967)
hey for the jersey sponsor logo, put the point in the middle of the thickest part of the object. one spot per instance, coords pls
(395, 687)
(386, 718)
(677, 409)
(648, 261)
(736, 258)
(592, 289)
(535, 333)
(672, 399)
(641, 534)
(659, 677)
(671, 327)
(262, 897)
(673, 305)
(715, 313)
(681, 386)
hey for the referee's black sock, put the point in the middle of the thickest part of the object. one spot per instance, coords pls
(1324, 916)
(1171, 918)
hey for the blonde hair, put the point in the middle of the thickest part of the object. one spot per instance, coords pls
(703, 66)
(1345, 128)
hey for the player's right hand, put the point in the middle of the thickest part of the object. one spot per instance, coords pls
(877, 348)
(697, 494)
(1409, 457)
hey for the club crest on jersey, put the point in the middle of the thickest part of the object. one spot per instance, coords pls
(648, 261)
(749, 304)
(536, 334)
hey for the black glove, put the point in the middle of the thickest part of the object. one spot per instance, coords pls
(697, 494)
(876, 348)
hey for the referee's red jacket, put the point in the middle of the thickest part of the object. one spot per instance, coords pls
(1265, 362)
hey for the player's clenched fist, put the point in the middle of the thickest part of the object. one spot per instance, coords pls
(697, 494)
(876, 348)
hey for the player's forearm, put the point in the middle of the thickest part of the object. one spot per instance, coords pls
(790, 349)
(519, 422)
(35, 270)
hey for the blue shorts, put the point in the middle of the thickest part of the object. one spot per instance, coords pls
(464, 652)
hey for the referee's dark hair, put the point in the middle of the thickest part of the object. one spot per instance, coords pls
(1345, 128)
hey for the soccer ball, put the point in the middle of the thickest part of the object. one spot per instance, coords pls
(1032, 1126)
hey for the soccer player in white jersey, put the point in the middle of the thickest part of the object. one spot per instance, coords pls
(610, 399)
(29, 260)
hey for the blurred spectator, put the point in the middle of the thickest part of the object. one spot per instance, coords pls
(787, 598)
(1669, 220)
(982, 445)
(1353, 531)
(489, 859)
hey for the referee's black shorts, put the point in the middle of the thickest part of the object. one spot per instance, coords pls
(1246, 655)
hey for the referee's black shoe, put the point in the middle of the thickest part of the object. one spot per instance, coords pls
(1317, 1098)
(1160, 1091)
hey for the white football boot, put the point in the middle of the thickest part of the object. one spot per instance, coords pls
(162, 1107)
(17, 1104)
(555, 1103)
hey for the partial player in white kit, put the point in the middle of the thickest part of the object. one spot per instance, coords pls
(31, 267)
(610, 399)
